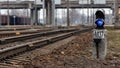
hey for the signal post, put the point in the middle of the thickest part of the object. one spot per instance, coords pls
(99, 37)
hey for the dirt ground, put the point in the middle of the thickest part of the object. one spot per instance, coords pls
(78, 54)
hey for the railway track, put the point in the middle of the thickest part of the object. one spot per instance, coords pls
(4, 34)
(12, 29)
(34, 35)
(13, 51)
(14, 41)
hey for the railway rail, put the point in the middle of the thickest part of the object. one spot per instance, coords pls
(12, 29)
(13, 41)
(15, 50)
(4, 34)
(34, 35)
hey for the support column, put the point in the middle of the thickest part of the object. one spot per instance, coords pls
(32, 16)
(44, 12)
(36, 17)
(116, 15)
(48, 13)
(68, 19)
(53, 13)
(8, 18)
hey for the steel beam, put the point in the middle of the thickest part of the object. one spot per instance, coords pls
(25, 5)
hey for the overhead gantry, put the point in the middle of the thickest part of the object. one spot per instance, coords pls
(49, 8)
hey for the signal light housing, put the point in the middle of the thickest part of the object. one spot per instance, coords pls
(100, 19)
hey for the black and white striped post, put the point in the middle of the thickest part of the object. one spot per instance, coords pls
(99, 37)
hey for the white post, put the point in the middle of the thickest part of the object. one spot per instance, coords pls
(99, 43)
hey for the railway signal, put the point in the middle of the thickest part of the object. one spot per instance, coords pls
(100, 17)
(99, 24)
(99, 36)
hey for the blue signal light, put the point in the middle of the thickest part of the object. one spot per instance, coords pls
(99, 22)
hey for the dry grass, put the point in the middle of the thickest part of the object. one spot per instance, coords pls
(114, 43)
(77, 54)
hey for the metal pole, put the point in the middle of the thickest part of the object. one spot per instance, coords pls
(48, 12)
(44, 17)
(92, 2)
(39, 17)
(35, 13)
(0, 18)
(31, 16)
(27, 17)
(115, 11)
(88, 12)
(53, 13)
(14, 19)
(68, 20)
(110, 19)
(56, 22)
(24, 16)
(14, 14)
(82, 13)
(65, 16)
(8, 13)
(92, 13)
(63, 20)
